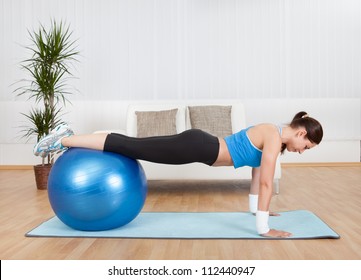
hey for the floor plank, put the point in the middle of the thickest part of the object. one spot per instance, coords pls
(333, 193)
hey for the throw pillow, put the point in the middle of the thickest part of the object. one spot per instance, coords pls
(156, 123)
(215, 120)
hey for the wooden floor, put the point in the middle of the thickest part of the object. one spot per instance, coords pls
(333, 193)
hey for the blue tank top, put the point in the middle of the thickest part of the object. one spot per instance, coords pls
(242, 150)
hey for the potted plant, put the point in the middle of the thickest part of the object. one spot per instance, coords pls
(52, 54)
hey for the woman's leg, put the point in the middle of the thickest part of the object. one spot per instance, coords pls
(62, 137)
(90, 141)
(187, 147)
(190, 146)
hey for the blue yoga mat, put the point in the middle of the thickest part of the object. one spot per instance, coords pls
(193, 225)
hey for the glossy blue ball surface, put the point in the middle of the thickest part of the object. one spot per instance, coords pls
(94, 190)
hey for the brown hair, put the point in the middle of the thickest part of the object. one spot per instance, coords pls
(312, 126)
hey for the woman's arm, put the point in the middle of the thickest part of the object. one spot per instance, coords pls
(254, 190)
(253, 193)
(271, 149)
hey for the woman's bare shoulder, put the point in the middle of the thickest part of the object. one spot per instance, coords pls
(262, 133)
(266, 127)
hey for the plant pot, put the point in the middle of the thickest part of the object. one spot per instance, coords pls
(41, 175)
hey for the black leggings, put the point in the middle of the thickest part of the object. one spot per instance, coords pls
(192, 145)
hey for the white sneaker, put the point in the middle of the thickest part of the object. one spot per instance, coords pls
(51, 143)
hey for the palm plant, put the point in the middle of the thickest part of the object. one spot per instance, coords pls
(53, 52)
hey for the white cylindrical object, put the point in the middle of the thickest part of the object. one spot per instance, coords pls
(253, 203)
(262, 222)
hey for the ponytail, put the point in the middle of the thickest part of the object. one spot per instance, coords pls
(312, 126)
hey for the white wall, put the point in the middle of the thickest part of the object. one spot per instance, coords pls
(170, 49)
(280, 50)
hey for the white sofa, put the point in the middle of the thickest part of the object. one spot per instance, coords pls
(193, 171)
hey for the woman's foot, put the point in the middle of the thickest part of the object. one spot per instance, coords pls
(51, 143)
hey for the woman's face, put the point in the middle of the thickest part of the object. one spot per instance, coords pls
(299, 142)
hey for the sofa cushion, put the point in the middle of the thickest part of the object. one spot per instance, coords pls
(156, 123)
(213, 119)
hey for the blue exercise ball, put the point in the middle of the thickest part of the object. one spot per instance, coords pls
(94, 190)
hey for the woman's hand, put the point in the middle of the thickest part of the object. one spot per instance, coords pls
(274, 214)
(277, 234)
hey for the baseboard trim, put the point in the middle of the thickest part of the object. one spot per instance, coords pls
(321, 164)
(283, 165)
(16, 167)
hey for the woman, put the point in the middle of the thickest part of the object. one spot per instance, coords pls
(256, 146)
